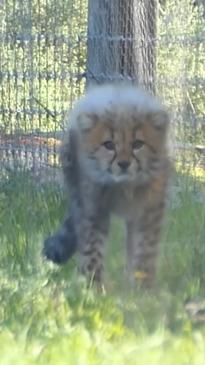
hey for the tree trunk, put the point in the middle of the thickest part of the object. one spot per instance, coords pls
(121, 41)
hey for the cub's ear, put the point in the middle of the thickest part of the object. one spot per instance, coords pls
(86, 121)
(159, 120)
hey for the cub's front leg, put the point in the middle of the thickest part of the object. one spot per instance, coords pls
(143, 237)
(92, 233)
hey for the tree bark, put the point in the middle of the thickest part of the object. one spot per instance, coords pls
(121, 41)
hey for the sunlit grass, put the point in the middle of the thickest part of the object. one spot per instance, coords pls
(49, 316)
(192, 172)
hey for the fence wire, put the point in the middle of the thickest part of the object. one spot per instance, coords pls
(42, 60)
(49, 49)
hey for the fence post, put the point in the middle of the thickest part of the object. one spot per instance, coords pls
(121, 41)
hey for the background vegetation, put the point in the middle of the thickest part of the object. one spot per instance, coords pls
(43, 60)
(181, 65)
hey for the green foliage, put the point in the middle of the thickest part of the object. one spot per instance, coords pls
(43, 50)
(49, 316)
(181, 71)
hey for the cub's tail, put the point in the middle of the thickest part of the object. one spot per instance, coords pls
(62, 245)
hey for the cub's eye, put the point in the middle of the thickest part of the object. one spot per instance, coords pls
(137, 144)
(109, 145)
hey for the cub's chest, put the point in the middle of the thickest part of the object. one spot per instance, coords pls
(125, 201)
(127, 194)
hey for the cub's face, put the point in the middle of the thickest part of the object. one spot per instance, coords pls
(122, 147)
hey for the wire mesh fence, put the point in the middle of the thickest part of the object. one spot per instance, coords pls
(42, 58)
(50, 48)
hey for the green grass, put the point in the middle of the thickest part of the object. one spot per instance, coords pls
(48, 316)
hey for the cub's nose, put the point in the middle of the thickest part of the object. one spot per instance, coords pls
(124, 165)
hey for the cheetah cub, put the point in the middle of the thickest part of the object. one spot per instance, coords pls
(115, 161)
